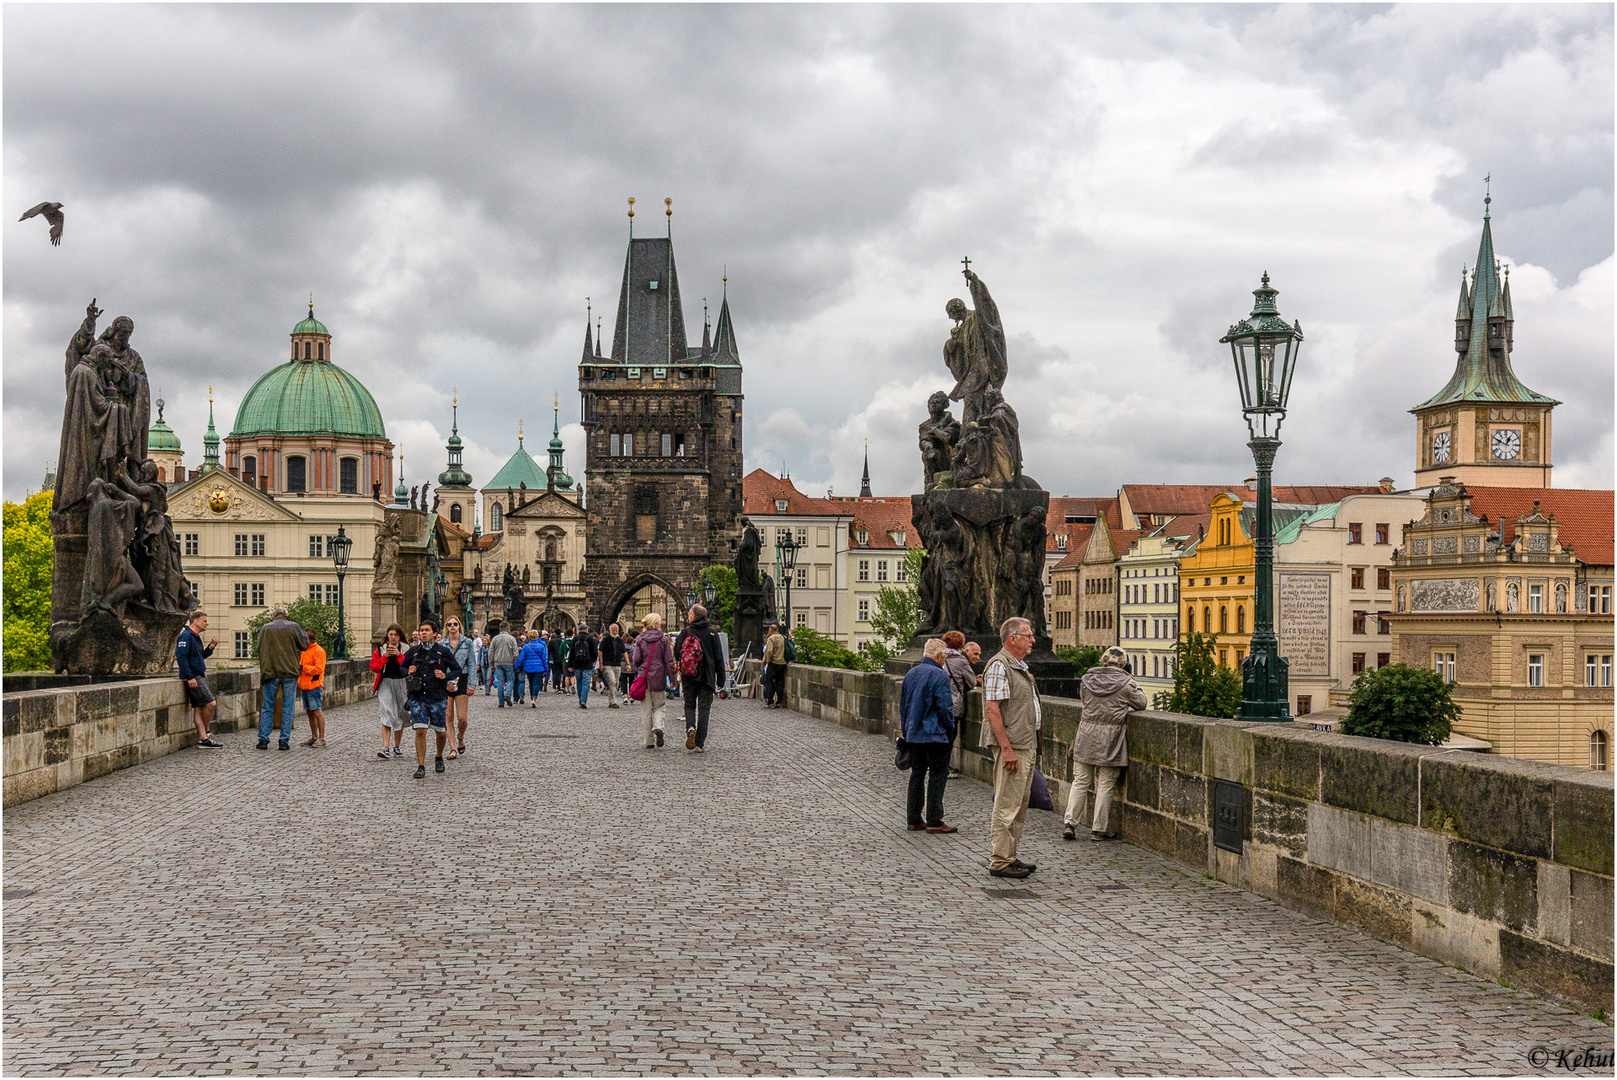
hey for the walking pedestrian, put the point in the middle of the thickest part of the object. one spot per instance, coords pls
(926, 707)
(774, 660)
(311, 680)
(430, 672)
(280, 646)
(387, 662)
(1011, 727)
(545, 639)
(533, 662)
(562, 675)
(698, 668)
(502, 657)
(464, 650)
(581, 658)
(1107, 693)
(653, 657)
(613, 650)
(192, 657)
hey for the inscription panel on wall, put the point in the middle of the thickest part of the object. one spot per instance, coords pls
(1445, 594)
(1303, 622)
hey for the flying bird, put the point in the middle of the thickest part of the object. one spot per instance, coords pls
(53, 214)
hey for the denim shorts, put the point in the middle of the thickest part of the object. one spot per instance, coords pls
(311, 700)
(198, 695)
(427, 714)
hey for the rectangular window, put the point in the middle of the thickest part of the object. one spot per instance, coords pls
(802, 536)
(1355, 532)
(1383, 578)
(1383, 626)
(901, 570)
(317, 547)
(1383, 659)
(1605, 670)
(1443, 664)
(193, 544)
(1535, 669)
(679, 445)
(864, 611)
(864, 570)
(243, 647)
(1591, 670)
(348, 476)
(801, 618)
(1358, 577)
(628, 446)
(616, 446)
(1358, 622)
(1382, 533)
(668, 446)
(258, 543)
(257, 595)
(1535, 599)
(296, 474)
(1358, 662)
(1240, 657)
(238, 594)
(802, 577)
(881, 569)
(241, 543)
(1305, 704)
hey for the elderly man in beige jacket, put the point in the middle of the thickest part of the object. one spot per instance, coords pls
(1011, 727)
(1107, 694)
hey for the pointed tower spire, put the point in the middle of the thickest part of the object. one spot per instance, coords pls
(455, 476)
(597, 335)
(210, 441)
(556, 473)
(1463, 310)
(864, 483)
(707, 337)
(401, 494)
(724, 341)
(589, 348)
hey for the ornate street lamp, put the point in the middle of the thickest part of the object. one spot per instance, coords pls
(340, 547)
(1265, 349)
(710, 593)
(690, 598)
(786, 557)
(440, 593)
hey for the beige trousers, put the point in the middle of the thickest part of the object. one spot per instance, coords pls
(1010, 806)
(651, 710)
(1101, 778)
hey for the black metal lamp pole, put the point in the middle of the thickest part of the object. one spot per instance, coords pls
(340, 546)
(1265, 349)
(786, 552)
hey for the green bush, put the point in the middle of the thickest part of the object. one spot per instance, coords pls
(1201, 685)
(1082, 658)
(1409, 704)
(724, 603)
(29, 554)
(315, 618)
(817, 649)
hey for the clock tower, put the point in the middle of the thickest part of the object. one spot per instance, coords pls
(1484, 427)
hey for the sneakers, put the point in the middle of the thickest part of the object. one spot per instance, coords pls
(534, 704)
(398, 752)
(659, 738)
(612, 705)
(210, 744)
(384, 753)
(309, 741)
(438, 765)
(283, 746)
(1070, 832)
(420, 771)
(690, 738)
(1097, 836)
(698, 749)
(581, 705)
(1011, 871)
(263, 744)
(320, 744)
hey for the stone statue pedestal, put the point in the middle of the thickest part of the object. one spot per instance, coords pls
(748, 623)
(141, 644)
(387, 606)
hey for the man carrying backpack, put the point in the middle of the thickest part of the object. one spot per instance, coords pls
(581, 656)
(700, 666)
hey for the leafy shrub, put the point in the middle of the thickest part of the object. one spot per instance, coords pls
(1409, 704)
(315, 618)
(818, 650)
(1082, 658)
(28, 569)
(1201, 685)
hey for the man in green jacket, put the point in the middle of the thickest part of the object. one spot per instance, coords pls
(1011, 727)
(280, 660)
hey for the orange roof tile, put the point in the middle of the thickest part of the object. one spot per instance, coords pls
(878, 517)
(761, 489)
(1172, 500)
(1077, 540)
(1585, 516)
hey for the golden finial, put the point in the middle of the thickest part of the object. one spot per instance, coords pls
(311, 305)
(454, 397)
(631, 207)
(519, 433)
(557, 403)
(669, 207)
(210, 395)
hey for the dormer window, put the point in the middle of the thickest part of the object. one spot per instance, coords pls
(781, 506)
(863, 537)
(897, 536)
(1061, 541)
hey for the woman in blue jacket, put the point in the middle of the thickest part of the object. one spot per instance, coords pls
(536, 662)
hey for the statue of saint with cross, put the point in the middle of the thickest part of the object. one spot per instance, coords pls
(975, 351)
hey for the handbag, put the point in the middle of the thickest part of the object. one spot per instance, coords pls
(1038, 792)
(637, 689)
(901, 757)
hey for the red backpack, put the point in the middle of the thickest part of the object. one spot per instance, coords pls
(691, 656)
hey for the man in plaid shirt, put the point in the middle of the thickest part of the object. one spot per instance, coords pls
(1012, 721)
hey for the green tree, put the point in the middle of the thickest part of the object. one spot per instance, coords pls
(1082, 658)
(1410, 704)
(27, 587)
(898, 606)
(1201, 685)
(317, 618)
(724, 587)
(820, 650)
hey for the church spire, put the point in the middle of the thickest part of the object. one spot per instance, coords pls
(210, 441)
(589, 347)
(707, 337)
(724, 341)
(556, 475)
(864, 484)
(455, 476)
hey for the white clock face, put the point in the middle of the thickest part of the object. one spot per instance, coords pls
(1507, 444)
(1440, 447)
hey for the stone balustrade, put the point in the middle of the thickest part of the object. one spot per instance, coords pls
(57, 737)
(1497, 865)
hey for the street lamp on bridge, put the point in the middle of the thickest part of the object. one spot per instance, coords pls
(340, 547)
(786, 555)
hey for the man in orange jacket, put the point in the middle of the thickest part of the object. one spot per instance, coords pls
(311, 679)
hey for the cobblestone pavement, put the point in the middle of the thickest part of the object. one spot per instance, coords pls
(563, 900)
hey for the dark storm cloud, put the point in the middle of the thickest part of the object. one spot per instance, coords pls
(449, 183)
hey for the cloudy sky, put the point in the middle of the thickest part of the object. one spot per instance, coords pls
(449, 183)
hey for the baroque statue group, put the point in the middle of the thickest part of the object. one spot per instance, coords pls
(119, 596)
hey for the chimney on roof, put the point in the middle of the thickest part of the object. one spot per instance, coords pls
(1252, 483)
(1386, 485)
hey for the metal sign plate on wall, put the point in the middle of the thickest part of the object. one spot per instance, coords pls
(1228, 800)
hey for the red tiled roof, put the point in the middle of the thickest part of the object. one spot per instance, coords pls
(1064, 506)
(1075, 556)
(1585, 516)
(879, 517)
(1123, 539)
(760, 490)
(1173, 500)
(1077, 541)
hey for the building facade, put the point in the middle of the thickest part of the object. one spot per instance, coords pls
(819, 527)
(663, 438)
(1148, 607)
(879, 534)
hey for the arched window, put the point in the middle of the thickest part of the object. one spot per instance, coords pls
(348, 476)
(1223, 619)
(454, 513)
(305, 350)
(496, 519)
(249, 469)
(160, 474)
(320, 351)
(1207, 619)
(1597, 751)
(1190, 620)
(296, 474)
(1240, 619)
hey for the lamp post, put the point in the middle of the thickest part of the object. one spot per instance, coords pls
(340, 547)
(1265, 349)
(710, 593)
(786, 556)
(690, 598)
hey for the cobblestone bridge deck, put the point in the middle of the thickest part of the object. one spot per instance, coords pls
(564, 900)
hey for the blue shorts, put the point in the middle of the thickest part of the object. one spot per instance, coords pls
(427, 714)
(311, 700)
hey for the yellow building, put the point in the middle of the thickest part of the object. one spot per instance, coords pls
(1216, 587)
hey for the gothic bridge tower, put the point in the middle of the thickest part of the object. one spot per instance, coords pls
(662, 425)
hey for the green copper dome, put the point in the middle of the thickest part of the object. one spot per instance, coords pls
(309, 397)
(311, 325)
(161, 436)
